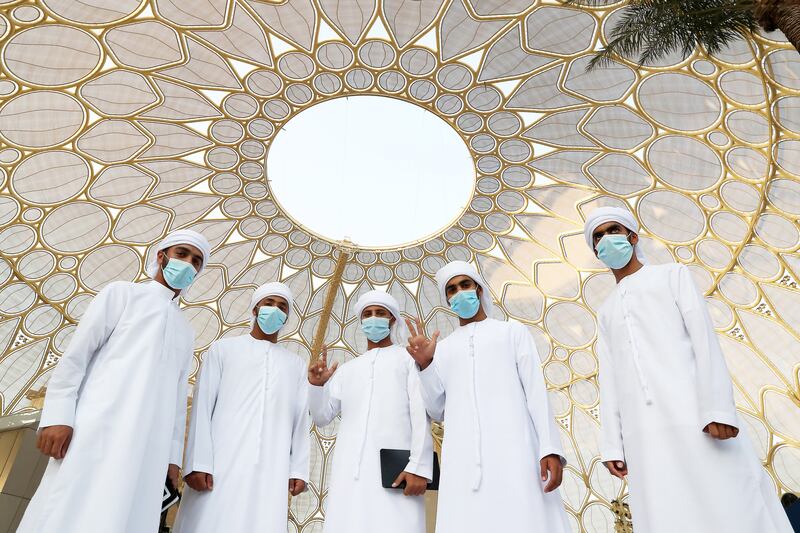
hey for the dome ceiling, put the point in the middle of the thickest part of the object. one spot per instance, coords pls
(124, 119)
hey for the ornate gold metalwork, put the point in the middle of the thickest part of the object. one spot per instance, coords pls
(623, 513)
(123, 119)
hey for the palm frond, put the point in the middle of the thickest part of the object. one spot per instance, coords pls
(649, 30)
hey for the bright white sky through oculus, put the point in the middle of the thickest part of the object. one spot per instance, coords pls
(377, 170)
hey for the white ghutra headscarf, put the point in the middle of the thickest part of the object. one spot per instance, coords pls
(603, 215)
(274, 288)
(174, 238)
(462, 268)
(399, 333)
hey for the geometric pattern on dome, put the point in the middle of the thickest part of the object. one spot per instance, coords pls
(123, 119)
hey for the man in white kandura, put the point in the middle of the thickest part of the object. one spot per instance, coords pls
(501, 446)
(379, 398)
(114, 414)
(666, 399)
(249, 430)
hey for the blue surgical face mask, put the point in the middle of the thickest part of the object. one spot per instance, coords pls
(465, 304)
(615, 251)
(270, 319)
(178, 274)
(375, 328)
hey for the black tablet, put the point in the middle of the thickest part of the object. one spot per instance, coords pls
(393, 462)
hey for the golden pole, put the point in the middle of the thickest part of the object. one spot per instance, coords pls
(330, 297)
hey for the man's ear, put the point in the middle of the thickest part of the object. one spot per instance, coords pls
(634, 238)
(478, 290)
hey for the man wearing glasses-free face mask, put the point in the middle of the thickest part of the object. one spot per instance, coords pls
(249, 433)
(501, 447)
(378, 396)
(115, 410)
(667, 414)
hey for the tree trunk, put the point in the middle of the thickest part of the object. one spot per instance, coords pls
(781, 15)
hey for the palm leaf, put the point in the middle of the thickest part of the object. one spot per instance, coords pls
(652, 29)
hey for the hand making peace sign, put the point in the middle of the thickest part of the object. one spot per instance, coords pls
(420, 347)
(319, 373)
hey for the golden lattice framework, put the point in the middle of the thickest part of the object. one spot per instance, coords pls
(123, 119)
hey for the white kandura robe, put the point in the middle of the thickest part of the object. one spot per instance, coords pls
(663, 378)
(379, 398)
(486, 383)
(250, 430)
(122, 385)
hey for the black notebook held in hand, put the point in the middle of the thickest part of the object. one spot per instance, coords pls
(393, 462)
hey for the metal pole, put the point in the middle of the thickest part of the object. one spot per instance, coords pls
(327, 308)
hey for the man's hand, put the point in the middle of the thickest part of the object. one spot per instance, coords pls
(53, 441)
(296, 486)
(721, 431)
(617, 468)
(174, 475)
(200, 481)
(319, 373)
(550, 466)
(415, 485)
(420, 347)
